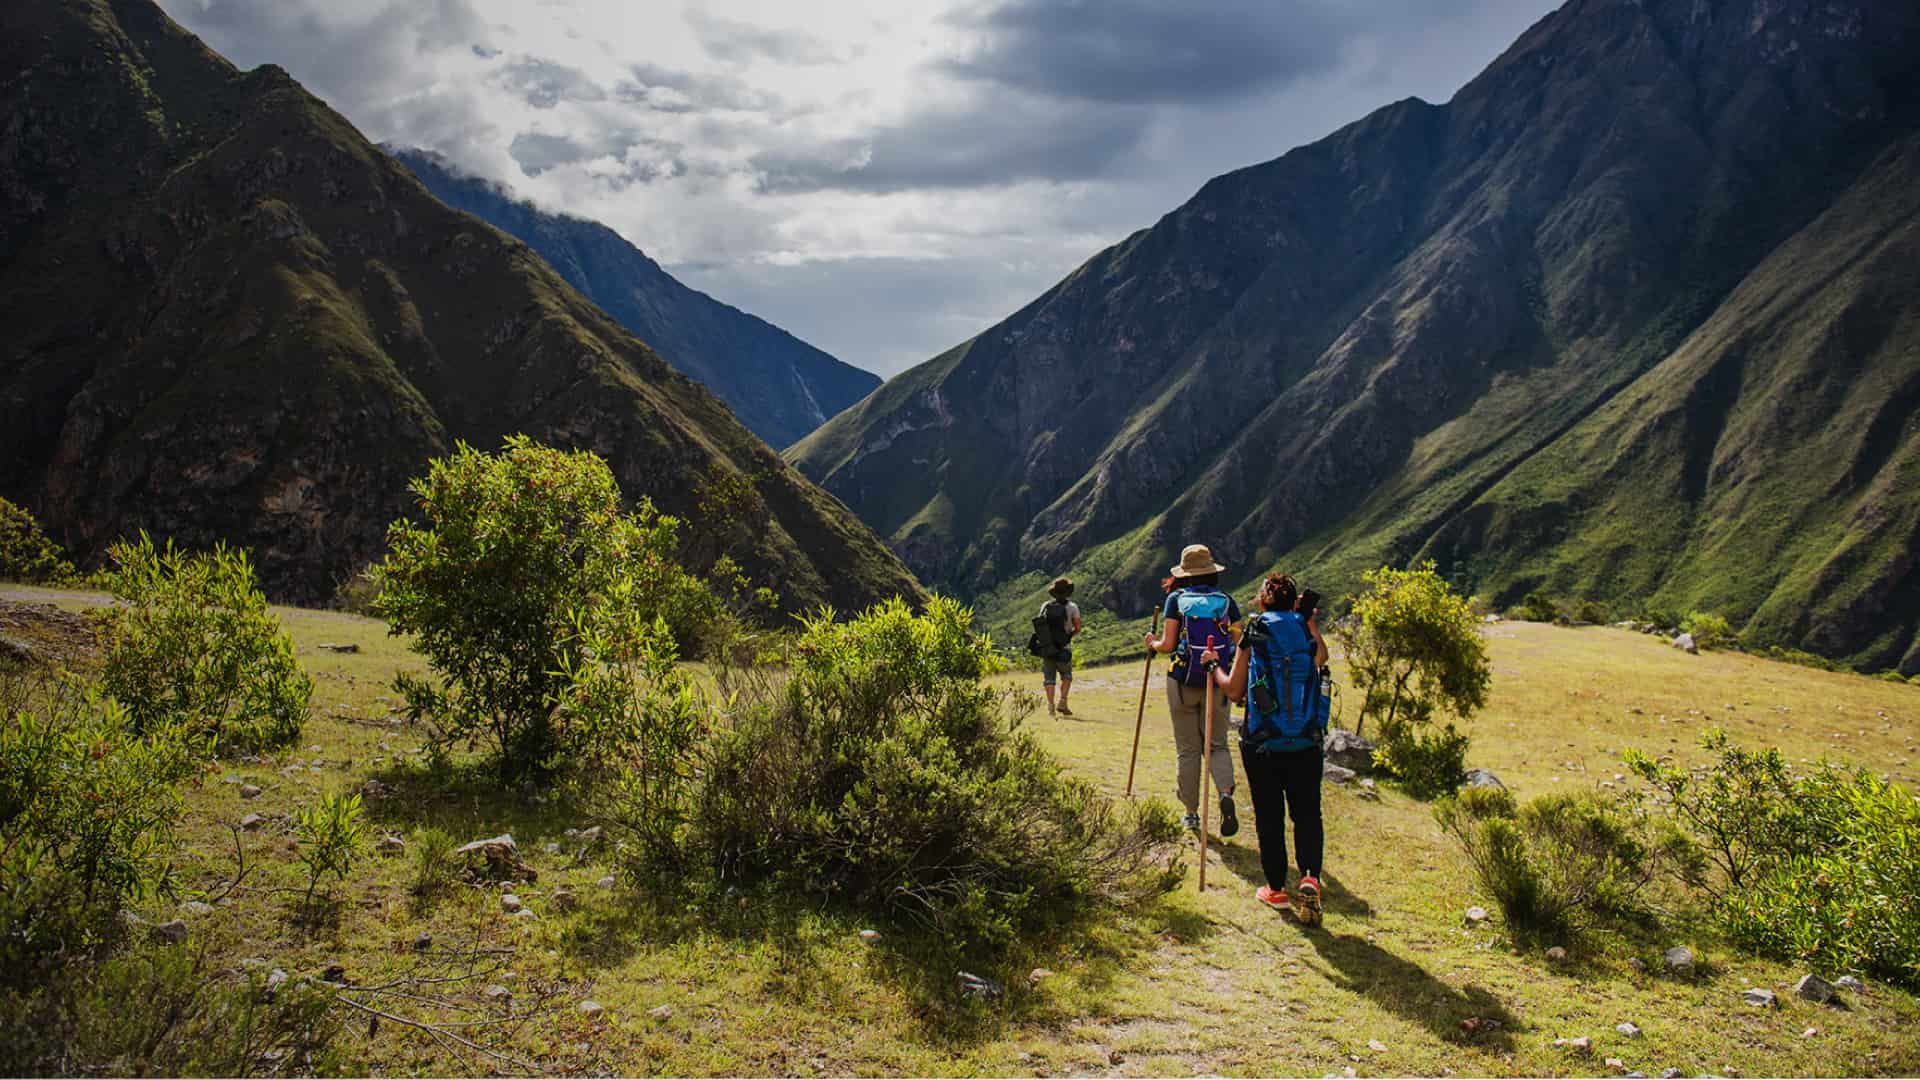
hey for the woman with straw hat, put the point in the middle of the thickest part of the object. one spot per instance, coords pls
(1197, 613)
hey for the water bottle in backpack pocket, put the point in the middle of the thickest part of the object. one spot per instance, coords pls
(1203, 617)
(1287, 698)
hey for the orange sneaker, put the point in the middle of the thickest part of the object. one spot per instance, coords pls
(1306, 900)
(1273, 898)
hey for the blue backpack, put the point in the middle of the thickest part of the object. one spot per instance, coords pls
(1287, 700)
(1203, 616)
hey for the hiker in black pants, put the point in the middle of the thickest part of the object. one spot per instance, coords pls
(1280, 658)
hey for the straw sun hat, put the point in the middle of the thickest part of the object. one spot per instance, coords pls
(1195, 560)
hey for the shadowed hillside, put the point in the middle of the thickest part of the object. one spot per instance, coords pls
(230, 317)
(1632, 317)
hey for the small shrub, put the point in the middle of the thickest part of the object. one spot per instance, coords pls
(1589, 611)
(1709, 631)
(1538, 607)
(435, 868)
(1427, 761)
(1893, 676)
(519, 555)
(87, 816)
(1557, 864)
(331, 834)
(26, 555)
(192, 641)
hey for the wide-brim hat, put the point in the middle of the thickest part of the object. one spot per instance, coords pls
(1195, 560)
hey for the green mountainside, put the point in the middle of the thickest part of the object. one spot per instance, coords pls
(1632, 318)
(231, 317)
(780, 387)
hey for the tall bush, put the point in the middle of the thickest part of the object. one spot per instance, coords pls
(26, 555)
(1414, 652)
(517, 556)
(191, 640)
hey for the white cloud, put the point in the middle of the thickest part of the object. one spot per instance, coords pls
(889, 176)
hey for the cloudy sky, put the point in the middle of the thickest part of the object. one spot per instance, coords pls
(884, 178)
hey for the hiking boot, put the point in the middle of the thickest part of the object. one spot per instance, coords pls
(1192, 822)
(1306, 900)
(1064, 711)
(1272, 897)
(1228, 823)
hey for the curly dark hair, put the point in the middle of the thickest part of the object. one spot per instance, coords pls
(1278, 593)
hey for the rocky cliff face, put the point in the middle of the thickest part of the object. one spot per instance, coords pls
(1417, 337)
(780, 387)
(230, 317)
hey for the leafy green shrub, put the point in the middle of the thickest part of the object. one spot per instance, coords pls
(1893, 676)
(1590, 611)
(520, 554)
(331, 834)
(192, 641)
(1709, 631)
(1558, 863)
(881, 774)
(1414, 651)
(87, 816)
(1819, 867)
(26, 555)
(1538, 607)
(160, 1011)
(435, 868)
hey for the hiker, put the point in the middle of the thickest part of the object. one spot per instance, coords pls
(1278, 672)
(1195, 611)
(1054, 629)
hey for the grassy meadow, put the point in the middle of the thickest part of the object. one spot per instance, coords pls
(1195, 984)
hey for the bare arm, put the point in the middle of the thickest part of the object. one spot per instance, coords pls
(1233, 682)
(1169, 637)
(1319, 643)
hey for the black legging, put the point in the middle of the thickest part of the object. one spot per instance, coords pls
(1283, 783)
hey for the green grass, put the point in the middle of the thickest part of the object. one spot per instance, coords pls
(1196, 984)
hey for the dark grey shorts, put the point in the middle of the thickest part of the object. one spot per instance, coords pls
(1051, 666)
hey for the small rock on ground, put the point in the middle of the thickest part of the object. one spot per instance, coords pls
(869, 936)
(1757, 996)
(661, 1012)
(607, 882)
(1557, 955)
(1813, 988)
(511, 904)
(1580, 1045)
(1850, 982)
(1672, 1074)
(423, 942)
(1680, 960)
(252, 822)
(590, 1008)
(1628, 1028)
(1337, 774)
(563, 901)
(196, 907)
(390, 843)
(249, 791)
(172, 932)
(1482, 778)
(498, 993)
(974, 986)
(1476, 915)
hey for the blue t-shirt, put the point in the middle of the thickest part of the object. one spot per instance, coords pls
(1171, 610)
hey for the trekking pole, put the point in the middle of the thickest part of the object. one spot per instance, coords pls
(1206, 771)
(1140, 715)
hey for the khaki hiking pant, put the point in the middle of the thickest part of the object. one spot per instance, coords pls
(1187, 706)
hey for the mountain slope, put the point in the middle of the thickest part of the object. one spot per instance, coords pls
(230, 317)
(780, 387)
(1359, 352)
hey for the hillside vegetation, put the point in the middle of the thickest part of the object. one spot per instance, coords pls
(1194, 983)
(230, 317)
(1631, 319)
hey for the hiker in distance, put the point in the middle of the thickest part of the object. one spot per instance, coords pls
(1194, 612)
(1277, 672)
(1053, 633)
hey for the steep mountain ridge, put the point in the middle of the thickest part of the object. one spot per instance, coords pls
(1347, 355)
(230, 317)
(780, 387)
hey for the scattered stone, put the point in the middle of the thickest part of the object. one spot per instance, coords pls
(974, 986)
(252, 822)
(1850, 982)
(524, 913)
(1758, 997)
(1338, 774)
(1557, 955)
(511, 903)
(1039, 975)
(171, 932)
(661, 1012)
(590, 1008)
(275, 980)
(390, 844)
(196, 907)
(563, 901)
(869, 936)
(1628, 1028)
(498, 994)
(249, 791)
(1672, 1074)
(1685, 643)
(550, 848)
(1476, 915)
(1349, 751)
(1581, 1045)
(1474, 1025)
(591, 835)
(502, 856)
(1813, 988)
(1376, 1046)
(373, 789)
(1810, 1033)
(1637, 964)
(1482, 778)
(1680, 961)
(1616, 1065)
(334, 972)
(607, 882)
(423, 942)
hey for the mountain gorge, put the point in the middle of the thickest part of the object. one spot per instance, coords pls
(1634, 317)
(230, 317)
(780, 387)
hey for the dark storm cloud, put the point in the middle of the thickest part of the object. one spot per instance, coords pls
(1008, 142)
(688, 91)
(733, 42)
(342, 60)
(537, 153)
(546, 83)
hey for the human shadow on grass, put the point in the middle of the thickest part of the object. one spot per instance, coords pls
(1468, 1015)
(1244, 861)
